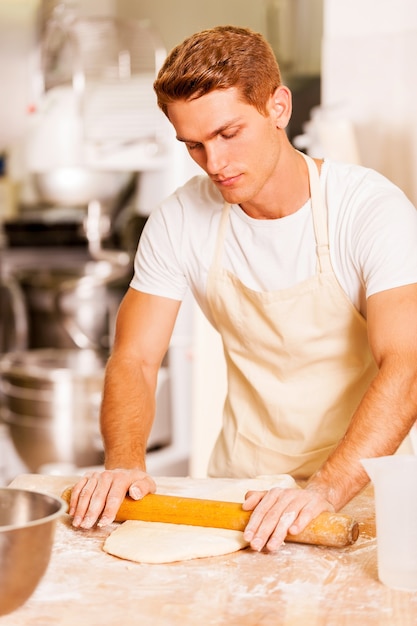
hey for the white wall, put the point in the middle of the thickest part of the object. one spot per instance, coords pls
(177, 20)
(17, 43)
(368, 72)
(293, 27)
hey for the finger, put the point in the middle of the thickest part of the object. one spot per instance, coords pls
(304, 517)
(273, 530)
(125, 483)
(84, 500)
(252, 499)
(271, 519)
(107, 496)
(114, 498)
(280, 532)
(75, 494)
(142, 487)
(309, 512)
(255, 531)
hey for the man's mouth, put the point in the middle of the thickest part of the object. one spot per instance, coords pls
(226, 181)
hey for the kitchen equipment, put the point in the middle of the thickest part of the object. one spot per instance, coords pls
(101, 194)
(72, 307)
(13, 320)
(51, 403)
(328, 529)
(97, 108)
(112, 69)
(96, 123)
(95, 116)
(395, 483)
(27, 529)
(75, 186)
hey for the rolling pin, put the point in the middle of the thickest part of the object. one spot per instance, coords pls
(328, 529)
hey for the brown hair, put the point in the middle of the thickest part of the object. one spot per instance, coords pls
(219, 58)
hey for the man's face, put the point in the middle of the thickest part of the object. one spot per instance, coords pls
(231, 141)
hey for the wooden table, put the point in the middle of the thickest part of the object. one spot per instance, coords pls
(298, 586)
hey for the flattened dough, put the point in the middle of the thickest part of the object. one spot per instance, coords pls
(156, 542)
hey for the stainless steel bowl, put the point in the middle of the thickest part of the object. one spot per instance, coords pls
(27, 529)
(77, 186)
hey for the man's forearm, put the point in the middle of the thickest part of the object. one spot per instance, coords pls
(127, 414)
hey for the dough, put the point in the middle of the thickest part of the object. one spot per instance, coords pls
(156, 542)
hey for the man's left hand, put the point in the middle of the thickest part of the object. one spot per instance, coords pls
(278, 512)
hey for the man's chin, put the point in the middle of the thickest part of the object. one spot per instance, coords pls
(233, 196)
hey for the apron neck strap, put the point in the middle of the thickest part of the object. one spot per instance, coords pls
(319, 214)
(224, 219)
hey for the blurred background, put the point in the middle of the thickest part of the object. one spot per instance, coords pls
(85, 156)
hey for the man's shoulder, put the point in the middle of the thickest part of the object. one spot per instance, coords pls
(359, 190)
(189, 211)
(352, 175)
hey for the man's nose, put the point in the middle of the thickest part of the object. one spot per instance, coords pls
(215, 159)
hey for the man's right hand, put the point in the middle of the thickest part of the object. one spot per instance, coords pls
(97, 497)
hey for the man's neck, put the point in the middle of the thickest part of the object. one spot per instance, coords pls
(287, 191)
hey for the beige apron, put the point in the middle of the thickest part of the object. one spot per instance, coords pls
(298, 363)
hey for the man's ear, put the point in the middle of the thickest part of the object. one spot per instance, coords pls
(281, 106)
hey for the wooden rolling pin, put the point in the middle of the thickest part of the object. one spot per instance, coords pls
(328, 529)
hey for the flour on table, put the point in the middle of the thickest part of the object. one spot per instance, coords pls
(157, 542)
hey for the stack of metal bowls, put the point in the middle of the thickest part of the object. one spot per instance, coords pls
(50, 401)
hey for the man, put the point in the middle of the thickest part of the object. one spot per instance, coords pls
(309, 272)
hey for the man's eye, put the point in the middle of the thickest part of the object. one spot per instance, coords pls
(193, 146)
(229, 135)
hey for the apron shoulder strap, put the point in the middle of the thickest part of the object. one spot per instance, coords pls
(221, 234)
(319, 212)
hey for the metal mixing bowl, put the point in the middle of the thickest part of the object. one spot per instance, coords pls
(27, 528)
(75, 186)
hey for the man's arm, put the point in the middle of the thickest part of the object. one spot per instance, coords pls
(143, 331)
(379, 425)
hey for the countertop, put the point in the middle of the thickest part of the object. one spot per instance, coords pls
(299, 585)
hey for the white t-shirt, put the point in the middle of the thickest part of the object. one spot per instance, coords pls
(372, 236)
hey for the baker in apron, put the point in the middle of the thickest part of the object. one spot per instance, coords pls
(298, 363)
(298, 359)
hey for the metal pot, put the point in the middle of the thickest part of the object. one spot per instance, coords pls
(13, 318)
(51, 403)
(71, 307)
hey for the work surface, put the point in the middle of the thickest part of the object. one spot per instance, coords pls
(298, 586)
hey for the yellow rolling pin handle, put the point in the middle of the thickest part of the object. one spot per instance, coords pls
(328, 529)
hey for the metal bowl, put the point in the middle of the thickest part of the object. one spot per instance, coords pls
(27, 529)
(77, 186)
